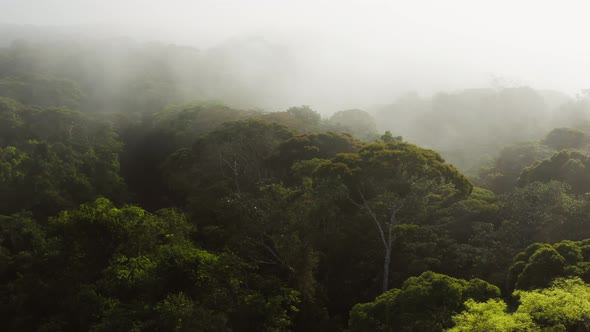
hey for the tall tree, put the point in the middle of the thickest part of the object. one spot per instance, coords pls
(391, 182)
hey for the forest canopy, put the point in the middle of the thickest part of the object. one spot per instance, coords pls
(143, 188)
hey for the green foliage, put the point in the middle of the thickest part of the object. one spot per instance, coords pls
(564, 306)
(11, 165)
(424, 303)
(42, 91)
(356, 122)
(273, 226)
(235, 158)
(567, 138)
(542, 212)
(20, 240)
(392, 167)
(388, 186)
(377, 315)
(523, 163)
(11, 120)
(306, 115)
(302, 119)
(125, 269)
(491, 316)
(51, 159)
(186, 123)
(313, 146)
(540, 264)
(543, 266)
(567, 166)
(281, 220)
(502, 175)
(388, 138)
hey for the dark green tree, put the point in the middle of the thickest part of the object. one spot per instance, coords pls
(423, 303)
(566, 166)
(390, 182)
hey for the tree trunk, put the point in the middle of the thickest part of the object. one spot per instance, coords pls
(387, 243)
(386, 262)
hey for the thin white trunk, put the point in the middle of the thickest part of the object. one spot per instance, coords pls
(386, 263)
(388, 238)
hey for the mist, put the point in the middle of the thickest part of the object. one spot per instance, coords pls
(274, 165)
(349, 54)
(464, 78)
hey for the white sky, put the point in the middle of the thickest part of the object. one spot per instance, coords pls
(381, 48)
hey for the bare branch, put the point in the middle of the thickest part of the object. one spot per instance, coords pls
(234, 167)
(272, 252)
(358, 205)
(374, 217)
(263, 262)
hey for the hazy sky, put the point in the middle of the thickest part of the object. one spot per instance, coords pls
(381, 48)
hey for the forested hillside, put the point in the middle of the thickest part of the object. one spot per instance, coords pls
(133, 197)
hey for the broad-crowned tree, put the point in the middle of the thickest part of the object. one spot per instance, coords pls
(391, 182)
(423, 303)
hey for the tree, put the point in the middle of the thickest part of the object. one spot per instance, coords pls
(388, 138)
(544, 265)
(564, 306)
(11, 120)
(567, 138)
(234, 158)
(309, 146)
(356, 122)
(302, 119)
(491, 316)
(423, 303)
(306, 115)
(56, 158)
(540, 263)
(273, 227)
(42, 91)
(541, 212)
(502, 175)
(104, 268)
(186, 123)
(567, 166)
(389, 181)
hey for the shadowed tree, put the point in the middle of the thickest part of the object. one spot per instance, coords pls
(391, 183)
(571, 167)
(423, 303)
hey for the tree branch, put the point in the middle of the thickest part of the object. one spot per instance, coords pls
(374, 217)
(272, 252)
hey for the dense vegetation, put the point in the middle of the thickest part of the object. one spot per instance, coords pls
(129, 207)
